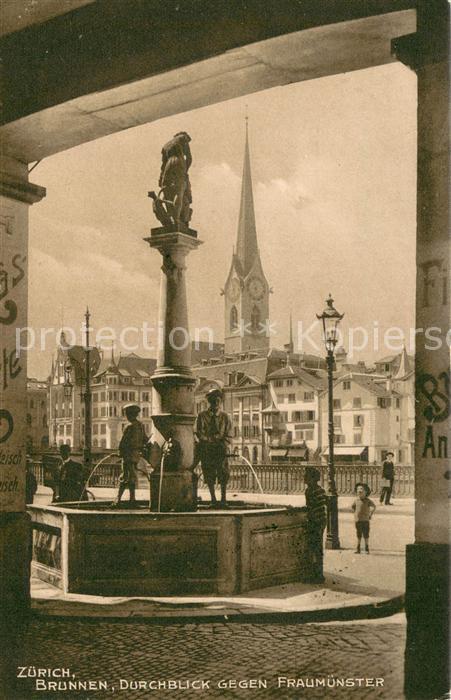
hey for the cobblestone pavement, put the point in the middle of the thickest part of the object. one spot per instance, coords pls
(212, 652)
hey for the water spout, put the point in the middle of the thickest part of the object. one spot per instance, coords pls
(254, 473)
(92, 472)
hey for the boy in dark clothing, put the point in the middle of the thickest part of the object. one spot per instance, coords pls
(363, 508)
(71, 481)
(316, 502)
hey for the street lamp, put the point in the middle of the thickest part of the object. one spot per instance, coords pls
(86, 396)
(331, 318)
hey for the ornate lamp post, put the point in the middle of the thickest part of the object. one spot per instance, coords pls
(331, 318)
(86, 396)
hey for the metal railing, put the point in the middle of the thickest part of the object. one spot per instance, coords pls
(277, 478)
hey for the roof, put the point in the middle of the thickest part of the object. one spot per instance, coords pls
(367, 383)
(300, 373)
(246, 245)
(134, 364)
(257, 368)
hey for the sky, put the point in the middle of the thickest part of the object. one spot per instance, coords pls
(334, 175)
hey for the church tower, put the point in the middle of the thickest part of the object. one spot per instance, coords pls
(246, 289)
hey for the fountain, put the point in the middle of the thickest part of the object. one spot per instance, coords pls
(176, 547)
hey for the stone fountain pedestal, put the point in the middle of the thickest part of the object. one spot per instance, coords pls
(173, 382)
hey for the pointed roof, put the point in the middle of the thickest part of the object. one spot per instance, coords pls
(404, 365)
(246, 245)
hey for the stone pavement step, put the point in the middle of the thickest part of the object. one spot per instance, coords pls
(235, 659)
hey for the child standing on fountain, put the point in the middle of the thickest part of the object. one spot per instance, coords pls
(131, 447)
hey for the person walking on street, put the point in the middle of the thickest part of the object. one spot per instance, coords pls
(363, 508)
(388, 474)
(31, 485)
(316, 502)
(213, 431)
(133, 442)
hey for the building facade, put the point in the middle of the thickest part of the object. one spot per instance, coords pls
(37, 415)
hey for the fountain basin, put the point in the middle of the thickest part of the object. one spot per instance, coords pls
(98, 551)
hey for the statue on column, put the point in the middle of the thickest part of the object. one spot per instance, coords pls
(172, 204)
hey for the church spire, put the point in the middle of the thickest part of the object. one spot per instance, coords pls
(246, 246)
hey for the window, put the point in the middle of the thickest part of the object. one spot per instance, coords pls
(337, 403)
(131, 396)
(145, 396)
(339, 439)
(357, 438)
(68, 429)
(103, 396)
(397, 419)
(358, 421)
(146, 412)
(29, 419)
(291, 398)
(347, 385)
(95, 429)
(95, 412)
(110, 396)
(103, 443)
(398, 403)
(31, 403)
(233, 318)
(103, 411)
(384, 403)
(124, 396)
(309, 395)
(278, 383)
(284, 416)
(337, 422)
(255, 319)
(357, 402)
(255, 454)
(295, 416)
(103, 429)
(289, 382)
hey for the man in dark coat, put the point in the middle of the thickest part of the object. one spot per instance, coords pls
(388, 473)
(133, 442)
(71, 481)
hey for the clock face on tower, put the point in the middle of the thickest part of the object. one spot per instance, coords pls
(234, 290)
(256, 288)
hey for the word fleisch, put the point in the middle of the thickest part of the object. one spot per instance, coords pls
(9, 485)
(8, 458)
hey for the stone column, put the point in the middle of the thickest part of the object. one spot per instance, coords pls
(427, 589)
(173, 382)
(16, 194)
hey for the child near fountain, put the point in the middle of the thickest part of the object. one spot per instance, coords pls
(363, 508)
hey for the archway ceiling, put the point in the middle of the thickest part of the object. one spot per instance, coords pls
(296, 56)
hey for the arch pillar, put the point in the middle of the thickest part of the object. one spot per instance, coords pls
(16, 195)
